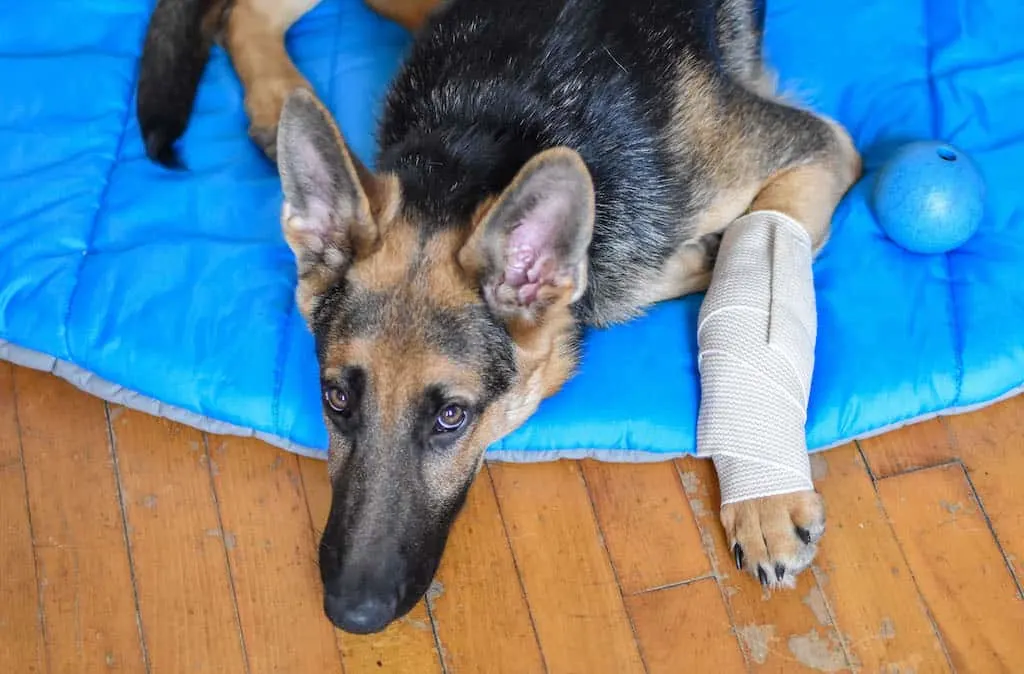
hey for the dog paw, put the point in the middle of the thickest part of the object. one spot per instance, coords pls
(264, 104)
(265, 138)
(776, 537)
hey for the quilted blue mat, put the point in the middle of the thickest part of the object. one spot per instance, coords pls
(172, 292)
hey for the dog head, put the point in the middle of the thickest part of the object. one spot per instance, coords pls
(434, 340)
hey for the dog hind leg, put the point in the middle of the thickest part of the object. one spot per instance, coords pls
(254, 39)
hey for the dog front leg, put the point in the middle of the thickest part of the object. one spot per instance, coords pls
(756, 335)
(254, 39)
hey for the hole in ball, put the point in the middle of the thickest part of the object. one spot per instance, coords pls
(946, 154)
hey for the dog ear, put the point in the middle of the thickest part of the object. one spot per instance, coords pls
(529, 249)
(328, 214)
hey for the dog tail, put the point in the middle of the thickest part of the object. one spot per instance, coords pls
(174, 55)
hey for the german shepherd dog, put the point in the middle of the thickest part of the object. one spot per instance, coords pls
(544, 165)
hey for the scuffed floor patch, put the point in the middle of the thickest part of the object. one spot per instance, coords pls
(817, 653)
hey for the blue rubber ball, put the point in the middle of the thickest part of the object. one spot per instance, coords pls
(929, 197)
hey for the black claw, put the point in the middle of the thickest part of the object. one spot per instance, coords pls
(780, 570)
(737, 552)
(804, 535)
(762, 576)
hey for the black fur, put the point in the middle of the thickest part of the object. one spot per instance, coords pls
(173, 59)
(488, 85)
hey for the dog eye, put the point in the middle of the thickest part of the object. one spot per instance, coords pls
(450, 419)
(338, 399)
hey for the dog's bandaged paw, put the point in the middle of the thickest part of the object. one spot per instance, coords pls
(756, 334)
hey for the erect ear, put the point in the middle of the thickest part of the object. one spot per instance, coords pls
(331, 201)
(529, 250)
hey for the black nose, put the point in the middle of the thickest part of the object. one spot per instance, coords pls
(363, 615)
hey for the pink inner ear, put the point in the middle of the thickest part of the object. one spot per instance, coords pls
(530, 261)
(317, 189)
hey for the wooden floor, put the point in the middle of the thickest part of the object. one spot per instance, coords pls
(130, 544)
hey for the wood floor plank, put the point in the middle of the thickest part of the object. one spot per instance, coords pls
(574, 598)
(181, 573)
(21, 628)
(650, 532)
(272, 557)
(958, 567)
(481, 595)
(864, 577)
(10, 445)
(898, 563)
(685, 628)
(405, 647)
(915, 446)
(84, 572)
(782, 632)
(990, 442)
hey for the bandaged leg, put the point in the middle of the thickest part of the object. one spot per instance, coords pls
(756, 335)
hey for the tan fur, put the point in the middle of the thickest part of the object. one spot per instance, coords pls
(718, 138)
(401, 365)
(388, 265)
(399, 369)
(707, 133)
(688, 270)
(764, 528)
(544, 363)
(810, 193)
(445, 281)
(254, 39)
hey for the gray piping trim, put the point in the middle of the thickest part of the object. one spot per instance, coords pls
(119, 395)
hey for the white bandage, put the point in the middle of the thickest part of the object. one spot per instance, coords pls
(756, 335)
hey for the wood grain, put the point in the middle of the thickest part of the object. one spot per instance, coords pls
(177, 547)
(481, 595)
(867, 584)
(405, 647)
(272, 557)
(991, 444)
(650, 532)
(84, 573)
(21, 628)
(10, 442)
(919, 445)
(958, 567)
(571, 588)
(917, 572)
(685, 628)
(782, 632)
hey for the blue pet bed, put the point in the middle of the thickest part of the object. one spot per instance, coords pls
(173, 292)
